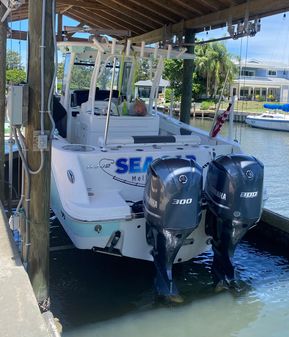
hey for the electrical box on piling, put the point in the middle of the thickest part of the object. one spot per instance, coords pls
(17, 104)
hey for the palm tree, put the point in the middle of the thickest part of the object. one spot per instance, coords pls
(202, 64)
(212, 63)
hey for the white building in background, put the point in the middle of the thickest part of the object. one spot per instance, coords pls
(260, 80)
(143, 88)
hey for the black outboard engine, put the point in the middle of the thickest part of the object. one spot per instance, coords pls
(172, 208)
(234, 192)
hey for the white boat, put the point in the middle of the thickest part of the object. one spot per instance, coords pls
(271, 121)
(103, 163)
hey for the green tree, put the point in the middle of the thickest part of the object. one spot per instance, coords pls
(105, 79)
(80, 77)
(13, 60)
(143, 70)
(213, 62)
(60, 69)
(15, 76)
(15, 72)
(173, 71)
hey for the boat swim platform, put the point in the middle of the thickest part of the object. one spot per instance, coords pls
(19, 311)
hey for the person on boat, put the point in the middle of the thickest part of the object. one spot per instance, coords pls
(138, 108)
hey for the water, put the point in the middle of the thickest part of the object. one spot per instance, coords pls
(272, 148)
(104, 296)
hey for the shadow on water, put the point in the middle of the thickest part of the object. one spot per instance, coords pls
(93, 291)
(88, 287)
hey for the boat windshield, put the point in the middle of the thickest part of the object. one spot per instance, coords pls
(267, 116)
(81, 75)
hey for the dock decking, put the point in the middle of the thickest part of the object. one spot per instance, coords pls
(20, 314)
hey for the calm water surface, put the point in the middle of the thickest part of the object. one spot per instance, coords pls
(103, 296)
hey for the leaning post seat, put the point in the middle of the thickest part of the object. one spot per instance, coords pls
(91, 127)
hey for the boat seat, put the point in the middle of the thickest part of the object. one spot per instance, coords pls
(81, 96)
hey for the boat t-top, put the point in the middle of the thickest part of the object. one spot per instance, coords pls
(131, 181)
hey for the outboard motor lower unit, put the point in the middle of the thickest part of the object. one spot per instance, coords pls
(234, 192)
(172, 207)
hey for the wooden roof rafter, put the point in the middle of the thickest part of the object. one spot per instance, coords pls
(123, 11)
(126, 6)
(74, 14)
(115, 22)
(201, 6)
(154, 9)
(152, 20)
(169, 6)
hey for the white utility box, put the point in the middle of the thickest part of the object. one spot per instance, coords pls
(17, 104)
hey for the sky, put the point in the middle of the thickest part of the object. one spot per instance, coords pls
(270, 44)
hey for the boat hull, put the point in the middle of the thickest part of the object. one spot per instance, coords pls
(270, 124)
(98, 235)
(94, 189)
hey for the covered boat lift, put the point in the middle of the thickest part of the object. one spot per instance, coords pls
(147, 21)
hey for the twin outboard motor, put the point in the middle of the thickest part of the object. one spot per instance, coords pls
(172, 208)
(234, 192)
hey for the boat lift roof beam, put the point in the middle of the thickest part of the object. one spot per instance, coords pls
(11, 5)
(218, 19)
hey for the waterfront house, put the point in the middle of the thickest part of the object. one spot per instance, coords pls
(262, 81)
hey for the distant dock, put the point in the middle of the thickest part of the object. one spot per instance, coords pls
(238, 116)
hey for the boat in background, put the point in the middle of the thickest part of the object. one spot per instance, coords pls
(271, 121)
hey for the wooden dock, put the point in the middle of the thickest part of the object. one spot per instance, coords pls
(238, 115)
(272, 231)
(20, 314)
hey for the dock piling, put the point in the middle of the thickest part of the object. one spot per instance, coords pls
(38, 261)
(186, 103)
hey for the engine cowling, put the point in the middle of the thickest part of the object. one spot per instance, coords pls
(172, 197)
(234, 193)
(172, 208)
(234, 188)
